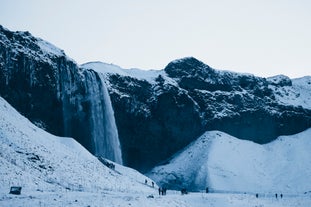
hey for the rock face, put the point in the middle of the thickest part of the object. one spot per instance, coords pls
(48, 88)
(154, 120)
(157, 113)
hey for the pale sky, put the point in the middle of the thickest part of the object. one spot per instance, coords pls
(262, 37)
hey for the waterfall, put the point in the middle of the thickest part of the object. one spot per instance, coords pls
(111, 131)
(103, 127)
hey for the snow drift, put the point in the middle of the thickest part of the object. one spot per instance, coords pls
(225, 163)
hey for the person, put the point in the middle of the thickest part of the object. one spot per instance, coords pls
(281, 195)
(146, 181)
(206, 190)
(256, 195)
(152, 183)
(160, 190)
(276, 195)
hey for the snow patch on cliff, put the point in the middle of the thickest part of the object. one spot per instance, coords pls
(147, 75)
(49, 48)
(299, 94)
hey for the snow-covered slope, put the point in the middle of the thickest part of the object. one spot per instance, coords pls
(105, 68)
(296, 94)
(225, 163)
(39, 161)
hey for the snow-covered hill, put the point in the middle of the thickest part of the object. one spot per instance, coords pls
(225, 163)
(38, 161)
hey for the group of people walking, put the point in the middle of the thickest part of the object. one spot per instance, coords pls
(152, 183)
(162, 191)
(276, 195)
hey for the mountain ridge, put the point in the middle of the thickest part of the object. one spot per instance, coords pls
(157, 113)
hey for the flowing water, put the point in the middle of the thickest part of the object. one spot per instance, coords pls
(104, 131)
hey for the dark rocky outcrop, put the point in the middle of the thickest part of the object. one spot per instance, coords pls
(153, 121)
(47, 87)
(29, 80)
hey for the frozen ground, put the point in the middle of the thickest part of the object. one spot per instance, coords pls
(172, 199)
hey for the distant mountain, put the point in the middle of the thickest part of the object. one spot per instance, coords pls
(157, 112)
(226, 164)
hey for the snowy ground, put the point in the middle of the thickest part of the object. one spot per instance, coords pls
(172, 199)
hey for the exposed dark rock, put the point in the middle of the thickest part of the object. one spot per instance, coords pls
(46, 86)
(152, 127)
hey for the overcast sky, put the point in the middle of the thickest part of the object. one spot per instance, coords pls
(262, 37)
